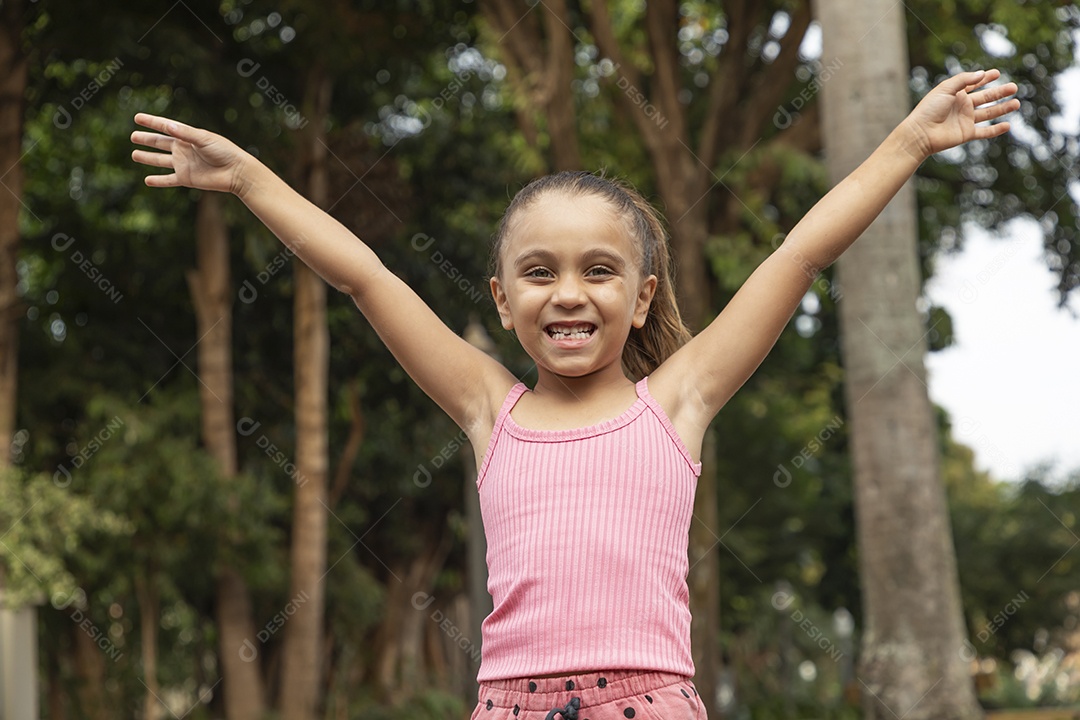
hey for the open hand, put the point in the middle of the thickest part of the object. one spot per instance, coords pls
(949, 115)
(198, 158)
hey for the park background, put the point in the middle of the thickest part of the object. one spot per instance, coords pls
(221, 496)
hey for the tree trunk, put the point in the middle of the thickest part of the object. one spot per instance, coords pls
(352, 444)
(18, 683)
(12, 91)
(384, 667)
(146, 593)
(56, 694)
(245, 698)
(558, 96)
(911, 664)
(411, 635)
(680, 182)
(539, 55)
(400, 665)
(90, 675)
(301, 667)
(703, 580)
(210, 293)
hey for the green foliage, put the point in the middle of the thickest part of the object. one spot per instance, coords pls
(1015, 547)
(426, 705)
(1027, 172)
(791, 653)
(45, 524)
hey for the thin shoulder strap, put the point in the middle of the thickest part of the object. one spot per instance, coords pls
(496, 432)
(643, 393)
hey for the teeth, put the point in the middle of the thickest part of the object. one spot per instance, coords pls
(578, 332)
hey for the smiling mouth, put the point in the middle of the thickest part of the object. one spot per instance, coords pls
(577, 331)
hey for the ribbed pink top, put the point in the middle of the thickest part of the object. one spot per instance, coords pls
(587, 537)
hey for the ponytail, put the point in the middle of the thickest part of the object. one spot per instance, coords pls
(664, 332)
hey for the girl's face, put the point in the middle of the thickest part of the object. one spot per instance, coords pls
(570, 284)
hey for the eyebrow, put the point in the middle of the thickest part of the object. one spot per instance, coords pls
(596, 253)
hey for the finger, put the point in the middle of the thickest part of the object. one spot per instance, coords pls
(964, 81)
(169, 180)
(154, 140)
(169, 127)
(154, 122)
(993, 94)
(153, 159)
(995, 111)
(989, 76)
(985, 132)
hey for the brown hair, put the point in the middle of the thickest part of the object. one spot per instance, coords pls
(664, 331)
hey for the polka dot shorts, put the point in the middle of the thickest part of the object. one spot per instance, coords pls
(613, 695)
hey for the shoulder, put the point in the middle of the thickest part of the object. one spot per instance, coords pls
(674, 392)
(492, 397)
(668, 389)
(488, 402)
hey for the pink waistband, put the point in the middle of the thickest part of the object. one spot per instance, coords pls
(593, 688)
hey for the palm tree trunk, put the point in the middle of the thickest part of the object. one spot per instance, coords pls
(911, 664)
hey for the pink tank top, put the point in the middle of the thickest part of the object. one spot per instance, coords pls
(587, 537)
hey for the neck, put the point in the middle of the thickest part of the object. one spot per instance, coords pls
(563, 388)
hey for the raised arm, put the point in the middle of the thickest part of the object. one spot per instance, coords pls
(463, 380)
(707, 371)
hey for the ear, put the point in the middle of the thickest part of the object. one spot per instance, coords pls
(501, 303)
(644, 300)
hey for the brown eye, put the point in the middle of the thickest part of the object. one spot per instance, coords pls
(538, 272)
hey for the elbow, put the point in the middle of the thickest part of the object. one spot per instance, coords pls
(808, 262)
(361, 288)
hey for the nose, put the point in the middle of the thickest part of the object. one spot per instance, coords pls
(569, 291)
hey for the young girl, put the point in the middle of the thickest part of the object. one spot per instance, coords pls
(587, 480)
